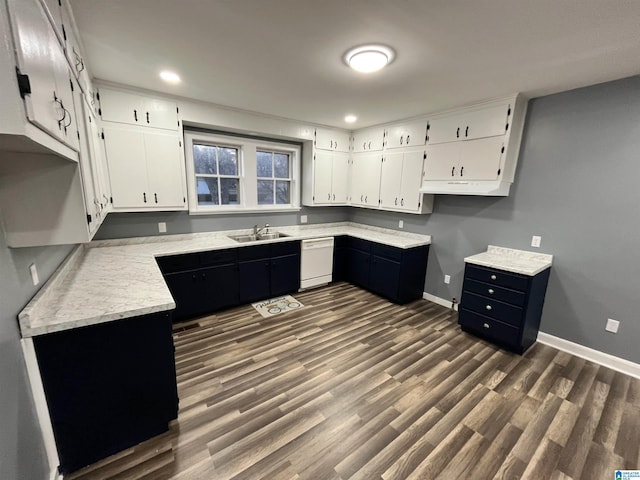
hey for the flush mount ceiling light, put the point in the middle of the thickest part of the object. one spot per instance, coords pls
(350, 118)
(170, 77)
(369, 58)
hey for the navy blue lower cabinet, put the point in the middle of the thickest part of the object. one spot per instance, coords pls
(108, 386)
(340, 258)
(502, 307)
(254, 280)
(394, 273)
(285, 274)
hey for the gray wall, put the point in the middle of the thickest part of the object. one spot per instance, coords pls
(577, 186)
(122, 225)
(22, 454)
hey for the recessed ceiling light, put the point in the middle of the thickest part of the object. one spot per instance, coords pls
(350, 118)
(369, 58)
(170, 77)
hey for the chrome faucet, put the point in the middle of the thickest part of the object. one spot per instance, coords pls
(257, 230)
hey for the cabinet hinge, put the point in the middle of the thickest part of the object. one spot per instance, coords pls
(177, 110)
(424, 156)
(64, 33)
(313, 198)
(506, 128)
(184, 200)
(100, 111)
(180, 143)
(98, 96)
(502, 150)
(24, 85)
(509, 111)
(102, 135)
(88, 218)
(78, 132)
(111, 199)
(60, 3)
(71, 83)
(499, 170)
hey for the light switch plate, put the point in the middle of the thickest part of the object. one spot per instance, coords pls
(535, 241)
(447, 279)
(303, 219)
(401, 224)
(34, 274)
(612, 325)
(162, 227)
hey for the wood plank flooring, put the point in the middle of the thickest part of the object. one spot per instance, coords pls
(354, 387)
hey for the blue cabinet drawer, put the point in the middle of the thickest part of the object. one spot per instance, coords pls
(502, 294)
(489, 328)
(492, 308)
(497, 277)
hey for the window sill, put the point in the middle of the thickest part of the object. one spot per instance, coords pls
(242, 211)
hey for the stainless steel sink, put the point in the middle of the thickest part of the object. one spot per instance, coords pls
(250, 237)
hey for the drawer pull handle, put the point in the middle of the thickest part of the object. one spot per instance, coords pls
(493, 277)
(485, 325)
(488, 307)
(491, 291)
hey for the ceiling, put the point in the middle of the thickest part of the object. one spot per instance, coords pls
(284, 57)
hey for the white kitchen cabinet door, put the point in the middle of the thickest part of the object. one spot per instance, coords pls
(160, 113)
(340, 178)
(34, 37)
(336, 140)
(54, 11)
(365, 179)
(480, 159)
(486, 122)
(164, 170)
(68, 131)
(442, 161)
(368, 140)
(126, 158)
(406, 134)
(410, 196)
(101, 173)
(322, 177)
(390, 180)
(120, 107)
(72, 50)
(445, 129)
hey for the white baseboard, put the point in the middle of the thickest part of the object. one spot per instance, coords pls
(601, 358)
(439, 300)
(595, 356)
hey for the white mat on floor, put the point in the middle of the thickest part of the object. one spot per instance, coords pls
(274, 306)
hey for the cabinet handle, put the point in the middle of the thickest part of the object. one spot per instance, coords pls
(401, 139)
(334, 197)
(491, 292)
(204, 275)
(408, 136)
(488, 307)
(331, 143)
(364, 145)
(466, 131)
(458, 133)
(453, 171)
(361, 198)
(328, 196)
(147, 117)
(59, 102)
(365, 199)
(156, 197)
(493, 277)
(135, 115)
(194, 277)
(402, 202)
(369, 145)
(396, 202)
(462, 171)
(485, 325)
(144, 196)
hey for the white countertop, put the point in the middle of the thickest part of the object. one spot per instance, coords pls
(114, 279)
(511, 260)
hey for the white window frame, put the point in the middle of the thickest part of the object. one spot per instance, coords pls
(247, 169)
(273, 179)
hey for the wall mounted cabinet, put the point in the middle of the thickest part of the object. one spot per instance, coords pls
(335, 140)
(366, 169)
(331, 178)
(400, 181)
(474, 151)
(368, 140)
(132, 109)
(146, 169)
(404, 135)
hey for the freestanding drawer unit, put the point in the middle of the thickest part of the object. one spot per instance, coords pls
(503, 306)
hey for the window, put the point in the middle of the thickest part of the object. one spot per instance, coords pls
(217, 174)
(274, 180)
(230, 174)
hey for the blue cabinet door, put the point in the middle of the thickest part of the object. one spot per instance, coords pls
(285, 275)
(254, 280)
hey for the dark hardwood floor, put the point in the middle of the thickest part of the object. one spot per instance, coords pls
(352, 386)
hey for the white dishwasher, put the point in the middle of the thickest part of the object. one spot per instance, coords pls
(316, 262)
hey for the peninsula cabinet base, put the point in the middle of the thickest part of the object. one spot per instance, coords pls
(108, 386)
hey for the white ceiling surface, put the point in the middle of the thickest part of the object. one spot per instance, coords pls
(284, 57)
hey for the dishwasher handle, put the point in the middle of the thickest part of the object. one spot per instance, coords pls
(317, 243)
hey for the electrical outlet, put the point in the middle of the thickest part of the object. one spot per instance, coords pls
(162, 227)
(401, 224)
(447, 279)
(34, 274)
(612, 325)
(535, 241)
(303, 219)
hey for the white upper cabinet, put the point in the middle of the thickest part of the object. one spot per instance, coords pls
(368, 140)
(336, 140)
(365, 179)
(406, 134)
(484, 122)
(133, 109)
(400, 183)
(146, 169)
(331, 178)
(475, 151)
(54, 11)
